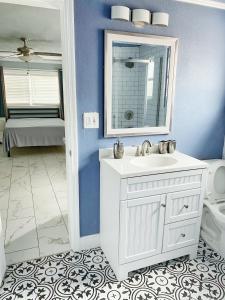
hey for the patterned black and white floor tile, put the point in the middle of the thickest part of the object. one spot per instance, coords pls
(87, 275)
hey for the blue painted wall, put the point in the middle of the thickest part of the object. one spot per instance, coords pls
(199, 110)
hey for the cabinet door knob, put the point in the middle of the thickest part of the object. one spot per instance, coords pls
(183, 234)
(163, 205)
(186, 206)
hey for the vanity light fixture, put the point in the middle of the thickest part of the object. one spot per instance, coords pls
(160, 19)
(121, 13)
(141, 17)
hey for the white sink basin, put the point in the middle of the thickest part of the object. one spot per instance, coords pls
(131, 166)
(153, 161)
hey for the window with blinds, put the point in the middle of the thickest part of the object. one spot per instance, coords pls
(31, 88)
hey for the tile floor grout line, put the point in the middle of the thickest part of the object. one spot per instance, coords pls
(22, 250)
(56, 197)
(35, 220)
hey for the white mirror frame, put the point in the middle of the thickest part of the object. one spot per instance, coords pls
(117, 36)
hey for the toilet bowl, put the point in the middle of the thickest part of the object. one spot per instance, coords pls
(213, 217)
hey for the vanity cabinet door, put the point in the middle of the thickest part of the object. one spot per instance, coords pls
(141, 227)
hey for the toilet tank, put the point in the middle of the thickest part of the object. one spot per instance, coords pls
(215, 190)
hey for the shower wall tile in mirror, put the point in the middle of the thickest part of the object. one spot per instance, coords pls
(138, 87)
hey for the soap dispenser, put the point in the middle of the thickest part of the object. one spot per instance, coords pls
(118, 150)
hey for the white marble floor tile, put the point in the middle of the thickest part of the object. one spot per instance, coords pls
(21, 177)
(35, 159)
(48, 215)
(62, 202)
(61, 194)
(33, 197)
(21, 234)
(20, 187)
(43, 197)
(40, 180)
(3, 215)
(5, 183)
(65, 218)
(37, 169)
(20, 208)
(19, 172)
(59, 186)
(53, 238)
(23, 255)
(5, 168)
(19, 161)
(18, 192)
(4, 199)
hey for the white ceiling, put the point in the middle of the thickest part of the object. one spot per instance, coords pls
(41, 26)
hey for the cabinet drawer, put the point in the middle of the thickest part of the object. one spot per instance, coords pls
(181, 234)
(144, 186)
(183, 205)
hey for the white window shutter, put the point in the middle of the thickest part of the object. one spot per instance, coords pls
(44, 87)
(16, 87)
(32, 88)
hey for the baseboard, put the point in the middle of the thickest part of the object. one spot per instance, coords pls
(89, 241)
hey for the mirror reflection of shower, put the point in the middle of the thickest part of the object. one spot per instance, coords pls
(138, 87)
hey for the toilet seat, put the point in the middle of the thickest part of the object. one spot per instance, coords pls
(216, 180)
(216, 210)
(213, 217)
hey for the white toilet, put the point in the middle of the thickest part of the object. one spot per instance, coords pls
(213, 218)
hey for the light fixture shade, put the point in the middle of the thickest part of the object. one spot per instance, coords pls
(160, 19)
(25, 58)
(141, 17)
(121, 13)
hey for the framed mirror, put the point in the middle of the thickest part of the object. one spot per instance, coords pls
(140, 75)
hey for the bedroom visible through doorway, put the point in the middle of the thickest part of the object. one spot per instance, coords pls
(33, 185)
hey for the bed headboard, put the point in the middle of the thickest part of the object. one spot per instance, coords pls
(22, 113)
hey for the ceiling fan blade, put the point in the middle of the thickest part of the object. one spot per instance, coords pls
(8, 52)
(50, 58)
(47, 54)
(9, 56)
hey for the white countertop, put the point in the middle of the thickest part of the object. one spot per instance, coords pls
(125, 168)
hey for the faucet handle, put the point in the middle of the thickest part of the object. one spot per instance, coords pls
(138, 152)
(148, 149)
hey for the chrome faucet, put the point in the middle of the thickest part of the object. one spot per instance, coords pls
(147, 150)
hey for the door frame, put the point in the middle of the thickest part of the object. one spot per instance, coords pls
(66, 8)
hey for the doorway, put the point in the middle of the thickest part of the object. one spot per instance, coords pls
(66, 10)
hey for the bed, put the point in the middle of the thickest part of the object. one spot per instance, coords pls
(33, 132)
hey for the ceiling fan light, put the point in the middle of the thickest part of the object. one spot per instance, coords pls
(25, 58)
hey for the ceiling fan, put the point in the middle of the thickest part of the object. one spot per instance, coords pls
(27, 54)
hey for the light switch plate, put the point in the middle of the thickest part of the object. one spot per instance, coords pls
(91, 120)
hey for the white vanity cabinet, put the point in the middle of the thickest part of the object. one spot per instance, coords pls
(151, 218)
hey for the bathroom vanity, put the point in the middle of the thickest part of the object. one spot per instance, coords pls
(150, 209)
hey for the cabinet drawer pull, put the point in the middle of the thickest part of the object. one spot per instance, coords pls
(163, 205)
(186, 206)
(183, 234)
